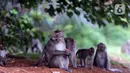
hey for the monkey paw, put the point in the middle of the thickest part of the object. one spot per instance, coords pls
(68, 50)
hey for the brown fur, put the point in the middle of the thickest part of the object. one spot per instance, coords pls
(101, 59)
(54, 50)
(82, 55)
(71, 47)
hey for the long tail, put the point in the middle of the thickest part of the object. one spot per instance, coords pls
(39, 60)
(77, 54)
(115, 70)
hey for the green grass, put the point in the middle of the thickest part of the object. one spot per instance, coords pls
(30, 55)
(115, 51)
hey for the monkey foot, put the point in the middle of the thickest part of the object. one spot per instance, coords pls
(69, 70)
(75, 67)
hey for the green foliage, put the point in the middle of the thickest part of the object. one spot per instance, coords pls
(88, 36)
(96, 10)
(20, 30)
(114, 62)
(29, 55)
(115, 35)
(123, 58)
(21, 27)
(37, 16)
(30, 3)
(14, 12)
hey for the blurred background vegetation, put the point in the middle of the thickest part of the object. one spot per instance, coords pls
(23, 20)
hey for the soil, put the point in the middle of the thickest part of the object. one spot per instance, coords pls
(24, 66)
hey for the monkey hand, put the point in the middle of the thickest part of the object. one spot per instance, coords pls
(67, 52)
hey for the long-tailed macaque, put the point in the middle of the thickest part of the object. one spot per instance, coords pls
(54, 52)
(71, 46)
(36, 46)
(101, 59)
(3, 59)
(82, 55)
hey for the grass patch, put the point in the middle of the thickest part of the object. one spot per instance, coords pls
(114, 62)
(30, 55)
(115, 51)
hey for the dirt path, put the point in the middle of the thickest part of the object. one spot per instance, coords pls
(24, 66)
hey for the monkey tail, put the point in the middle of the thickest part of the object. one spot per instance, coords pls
(77, 54)
(115, 70)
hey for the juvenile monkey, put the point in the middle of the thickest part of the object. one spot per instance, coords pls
(82, 54)
(101, 59)
(36, 46)
(2, 55)
(71, 46)
(54, 52)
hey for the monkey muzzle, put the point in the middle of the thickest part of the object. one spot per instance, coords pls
(57, 40)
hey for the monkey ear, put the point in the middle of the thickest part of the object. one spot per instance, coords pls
(53, 32)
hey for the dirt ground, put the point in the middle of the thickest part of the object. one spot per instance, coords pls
(24, 66)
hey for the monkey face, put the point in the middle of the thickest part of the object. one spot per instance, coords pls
(69, 43)
(58, 36)
(101, 47)
(91, 51)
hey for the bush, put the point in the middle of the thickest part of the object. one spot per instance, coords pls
(88, 36)
(115, 35)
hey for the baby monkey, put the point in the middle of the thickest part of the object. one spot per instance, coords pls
(83, 54)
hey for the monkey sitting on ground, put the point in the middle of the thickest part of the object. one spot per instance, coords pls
(36, 46)
(71, 46)
(101, 59)
(3, 59)
(55, 53)
(82, 55)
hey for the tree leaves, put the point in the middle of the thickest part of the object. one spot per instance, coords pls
(30, 3)
(14, 12)
(69, 13)
(77, 12)
(89, 8)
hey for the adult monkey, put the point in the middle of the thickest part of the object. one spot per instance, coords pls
(101, 59)
(55, 53)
